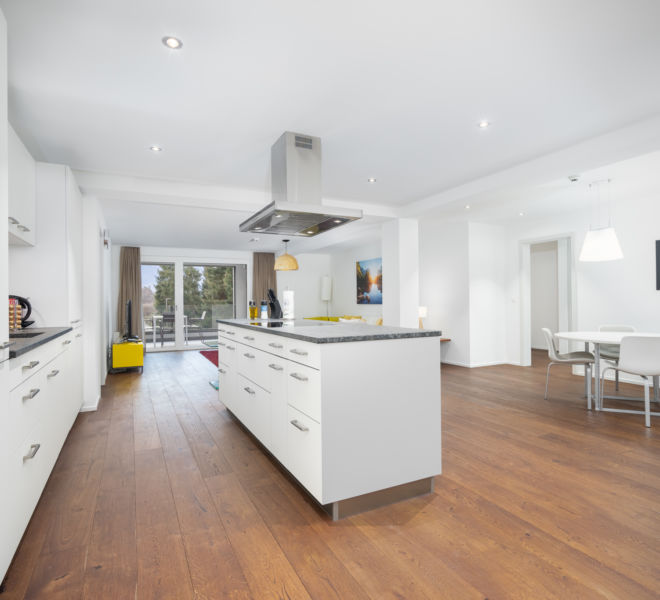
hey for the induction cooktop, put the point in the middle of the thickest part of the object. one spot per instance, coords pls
(295, 323)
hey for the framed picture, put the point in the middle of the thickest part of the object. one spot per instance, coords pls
(369, 275)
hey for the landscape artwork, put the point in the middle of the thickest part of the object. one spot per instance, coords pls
(369, 275)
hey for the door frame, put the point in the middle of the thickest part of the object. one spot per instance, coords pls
(566, 290)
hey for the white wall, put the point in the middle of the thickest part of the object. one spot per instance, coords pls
(95, 261)
(444, 285)
(487, 249)
(306, 284)
(344, 286)
(543, 291)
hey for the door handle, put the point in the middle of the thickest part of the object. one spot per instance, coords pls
(32, 394)
(298, 352)
(249, 338)
(250, 391)
(31, 365)
(12, 221)
(34, 448)
(66, 342)
(23, 228)
(222, 371)
(299, 377)
(53, 373)
(276, 367)
(248, 355)
(273, 345)
(299, 425)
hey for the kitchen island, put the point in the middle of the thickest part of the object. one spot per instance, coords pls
(351, 410)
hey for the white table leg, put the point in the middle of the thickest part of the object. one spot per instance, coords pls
(586, 387)
(656, 388)
(597, 398)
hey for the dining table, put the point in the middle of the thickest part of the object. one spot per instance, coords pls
(156, 320)
(604, 337)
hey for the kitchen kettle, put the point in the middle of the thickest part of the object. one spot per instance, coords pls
(25, 306)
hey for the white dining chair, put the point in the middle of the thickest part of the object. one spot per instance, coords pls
(567, 358)
(610, 352)
(638, 356)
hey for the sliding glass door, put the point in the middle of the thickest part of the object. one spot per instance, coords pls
(159, 318)
(208, 294)
(182, 300)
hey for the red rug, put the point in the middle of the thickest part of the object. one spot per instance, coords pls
(212, 355)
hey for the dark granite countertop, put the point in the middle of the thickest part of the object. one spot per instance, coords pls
(329, 332)
(21, 345)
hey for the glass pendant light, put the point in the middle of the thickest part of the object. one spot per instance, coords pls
(286, 262)
(601, 244)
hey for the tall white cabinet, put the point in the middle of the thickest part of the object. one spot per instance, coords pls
(22, 191)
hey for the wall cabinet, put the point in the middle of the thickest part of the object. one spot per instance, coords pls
(50, 273)
(36, 417)
(22, 191)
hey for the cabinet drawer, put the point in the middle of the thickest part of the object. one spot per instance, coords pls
(27, 402)
(254, 409)
(227, 352)
(303, 453)
(275, 344)
(229, 332)
(253, 364)
(304, 389)
(304, 352)
(25, 366)
(227, 386)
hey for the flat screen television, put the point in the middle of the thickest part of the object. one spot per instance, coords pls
(128, 336)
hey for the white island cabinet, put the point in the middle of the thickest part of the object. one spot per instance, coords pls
(352, 411)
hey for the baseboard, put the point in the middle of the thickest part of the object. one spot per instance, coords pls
(609, 376)
(91, 407)
(475, 365)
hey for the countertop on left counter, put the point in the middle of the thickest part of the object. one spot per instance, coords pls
(24, 340)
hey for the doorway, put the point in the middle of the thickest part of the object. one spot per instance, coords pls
(547, 292)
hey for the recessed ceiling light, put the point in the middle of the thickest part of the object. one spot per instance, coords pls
(155, 148)
(467, 207)
(371, 180)
(172, 43)
(279, 216)
(257, 228)
(483, 124)
(521, 214)
(337, 220)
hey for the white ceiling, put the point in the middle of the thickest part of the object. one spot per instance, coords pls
(394, 89)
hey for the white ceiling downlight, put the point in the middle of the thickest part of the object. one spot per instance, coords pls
(483, 124)
(172, 43)
(155, 148)
(371, 180)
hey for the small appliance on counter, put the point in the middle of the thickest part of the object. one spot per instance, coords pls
(18, 319)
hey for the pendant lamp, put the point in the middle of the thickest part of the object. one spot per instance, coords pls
(286, 262)
(601, 244)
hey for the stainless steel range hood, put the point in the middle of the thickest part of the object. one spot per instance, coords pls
(296, 208)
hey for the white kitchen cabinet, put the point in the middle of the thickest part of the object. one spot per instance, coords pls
(22, 191)
(348, 419)
(50, 273)
(35, 418)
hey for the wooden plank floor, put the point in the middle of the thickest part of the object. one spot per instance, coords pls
(161, 494)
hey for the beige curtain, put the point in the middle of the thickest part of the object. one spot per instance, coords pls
(130, 288)
(263, 275)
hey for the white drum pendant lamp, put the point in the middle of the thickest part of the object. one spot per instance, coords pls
(601, 244)
(286, 262)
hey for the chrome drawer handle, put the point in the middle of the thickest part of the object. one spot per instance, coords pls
(23, 228)
(53, 373)
(66, 342)
(231, 347)
(31, 365)
(75, 321)
(221, 344)
(12, 220)
(78, 335)
(222, 371)
(248, 355)
(249, 391)
(34, 448)
(299, 377)
(249, 338)
(32, 394)
(276, 367)
(299, 352)
(221, 330)
(299, 425)
(5, 345)
(273, 345)
(231, 333)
